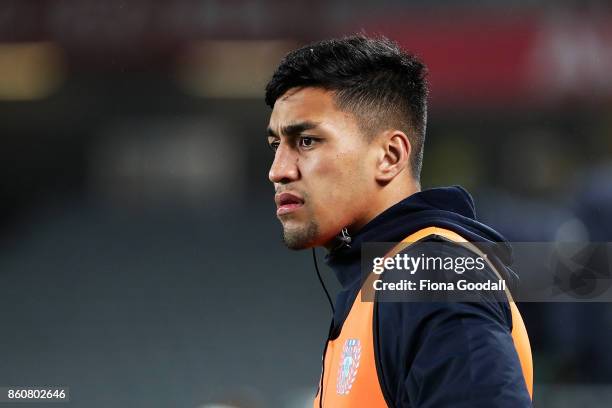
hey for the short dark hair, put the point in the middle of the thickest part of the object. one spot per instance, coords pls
(372, 77)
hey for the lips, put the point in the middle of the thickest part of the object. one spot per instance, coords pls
(287, 203)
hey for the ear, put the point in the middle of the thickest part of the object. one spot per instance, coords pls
(394, 155)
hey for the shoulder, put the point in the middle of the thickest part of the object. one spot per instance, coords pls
(434, 266)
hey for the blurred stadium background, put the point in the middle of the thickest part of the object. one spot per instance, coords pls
(140, 258)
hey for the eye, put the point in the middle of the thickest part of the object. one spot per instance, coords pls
(307, 142)
(273, 145)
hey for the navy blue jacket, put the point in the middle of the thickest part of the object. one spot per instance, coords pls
(437, 354)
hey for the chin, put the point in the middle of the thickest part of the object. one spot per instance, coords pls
(301, 237)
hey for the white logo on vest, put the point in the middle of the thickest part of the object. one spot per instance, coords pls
(347, 370)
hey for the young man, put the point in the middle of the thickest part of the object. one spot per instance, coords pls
(347, 128)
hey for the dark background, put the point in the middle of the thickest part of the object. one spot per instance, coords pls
(141, 262)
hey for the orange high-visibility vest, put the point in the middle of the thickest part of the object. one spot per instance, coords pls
(349, 376)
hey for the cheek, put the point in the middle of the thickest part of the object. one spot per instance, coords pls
(340, 181)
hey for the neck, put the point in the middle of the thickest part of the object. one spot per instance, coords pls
(388, 197)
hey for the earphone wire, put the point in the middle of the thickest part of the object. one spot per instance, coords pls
(331, 304)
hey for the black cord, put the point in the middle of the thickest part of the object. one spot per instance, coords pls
(331, 304)
(314, 257)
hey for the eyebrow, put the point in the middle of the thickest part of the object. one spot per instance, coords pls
(294, 129)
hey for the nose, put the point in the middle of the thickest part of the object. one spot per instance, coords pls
(284, 168)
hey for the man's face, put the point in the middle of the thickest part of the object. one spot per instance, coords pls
(322, 170)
